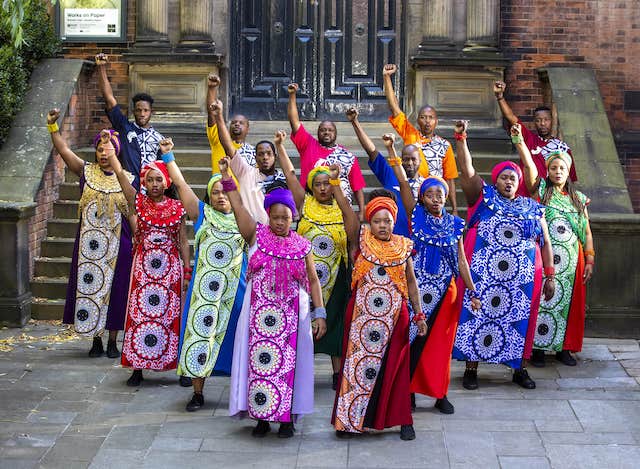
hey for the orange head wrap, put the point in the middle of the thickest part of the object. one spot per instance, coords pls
(381, 203)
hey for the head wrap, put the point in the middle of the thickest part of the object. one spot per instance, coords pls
(114, 139)
(280, 196)
(505, 165)
(563, 155)
(158, 166)
(381, 203)
(430, 182)
(314, 172)
(215, 177)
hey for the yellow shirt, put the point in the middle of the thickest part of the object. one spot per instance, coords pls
(217, 150)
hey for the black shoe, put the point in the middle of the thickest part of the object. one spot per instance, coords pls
(344, 435)
(135, 379)
(521, 378)
(413, 402)
(444, 406)
(407, 433)
(185, 381)
(112, 349)
(470, 379)
(286, 430)
(97, 350)
(197, 401)
(537, 358)
(261, 429)
(334, 381)
(566, 358)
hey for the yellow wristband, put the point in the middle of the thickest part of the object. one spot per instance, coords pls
(395, 161)
(334, 182)
(53, 127)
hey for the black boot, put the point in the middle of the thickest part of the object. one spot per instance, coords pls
(537, 358)
(97, 350)
(261, 429)
(444, 406)
(197, 401)
(566, 358)
(135, 379)
(407, 433)
(470, 379)
(112, 349)
(521, 378)
(286, 430)
(413, 401)
(344, 435)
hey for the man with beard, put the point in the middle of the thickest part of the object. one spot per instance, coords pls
(410, 161)
(140, 141)
(540, 143)
(324, 151)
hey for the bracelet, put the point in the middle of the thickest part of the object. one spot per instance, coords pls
(334, 182)
(516, 139)
(589, 252)
(52, 128)
(319, 313)
(168, 157)
(394, 161)
(419, 317)
(473, 294)
(229, 185)
(590, 263)
(187, 268)
(549, 271)
(460, 137)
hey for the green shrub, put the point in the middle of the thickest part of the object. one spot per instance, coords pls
(16, 65)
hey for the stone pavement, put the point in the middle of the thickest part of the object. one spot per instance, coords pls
(61, 409)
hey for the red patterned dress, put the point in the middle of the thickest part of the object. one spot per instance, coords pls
(152, 330)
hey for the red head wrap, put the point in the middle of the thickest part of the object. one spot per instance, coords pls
(505, 165)
(381, 203)
(158, 166)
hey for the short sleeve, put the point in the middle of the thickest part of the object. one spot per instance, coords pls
(356, 180)
(404, 128)
(383, 172)
(301, 139)
(449, 168)
(118, 119)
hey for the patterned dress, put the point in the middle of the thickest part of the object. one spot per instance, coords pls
(323, 225)
(567, 231)
(214, 297)
(502, 249)
(102, 250)
(153, 313)
(373, 391)
(272, 369)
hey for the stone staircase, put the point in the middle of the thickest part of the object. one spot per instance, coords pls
(488, 146)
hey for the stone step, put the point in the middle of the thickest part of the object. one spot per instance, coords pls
(47, 308)
(49, 287)
(52, 266)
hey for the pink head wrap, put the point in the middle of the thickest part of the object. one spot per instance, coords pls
(500, 167)
(158, 166)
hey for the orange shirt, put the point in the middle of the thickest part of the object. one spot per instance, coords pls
(437, 155)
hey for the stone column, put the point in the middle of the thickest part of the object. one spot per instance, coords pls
(196, 24)
(483, 24)
(438, 24)
(152, 23)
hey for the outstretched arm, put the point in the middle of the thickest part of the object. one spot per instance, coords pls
(470, 180)
(246, 224)
(531, 176)
(73, 161)
(365, 141)
(392, 99)
(223, 132)
(292, 108)
(406, 194)
(351, 221)
(289, 171)
(499, 87)
(213, 83)
(187, 196)
(127, 189)
(103, 81)
(465, 273)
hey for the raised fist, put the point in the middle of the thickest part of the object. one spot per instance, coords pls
(388, 140)
(516, 129)
(499, 87)
(101, 59)
(334, 171)
(389, 69)
(223, 164)
(352, 114)
(213, 80)
(216, 107)
(166, 145)
(293, 88)
(278, 138)
(53, 116)
(460, 126)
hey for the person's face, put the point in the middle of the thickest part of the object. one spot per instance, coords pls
(280, 218)
(434, 198)
(154, 182)
(558, 172)
(218, 198)
(102, 155)
(427, 121)
(507, 183)
(382, 225)
(542, 122)
(265, 158)
(410, 161)
(142, 113)
(321, 188)
(239, 127)
(327, 133)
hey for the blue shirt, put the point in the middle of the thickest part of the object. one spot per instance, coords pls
(388, 179)
(139, 146)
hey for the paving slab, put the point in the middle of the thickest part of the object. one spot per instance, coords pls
(471, 449)
(134, 437)
(594, 456)
(608, 416)
(385, 449)
(588, 438)
(519, 462)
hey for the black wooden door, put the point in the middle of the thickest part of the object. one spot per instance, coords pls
(334, 49)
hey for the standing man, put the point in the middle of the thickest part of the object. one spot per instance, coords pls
(140, 141)
(540, 143)
(384, 172)
(437, 155)
(324, 151)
